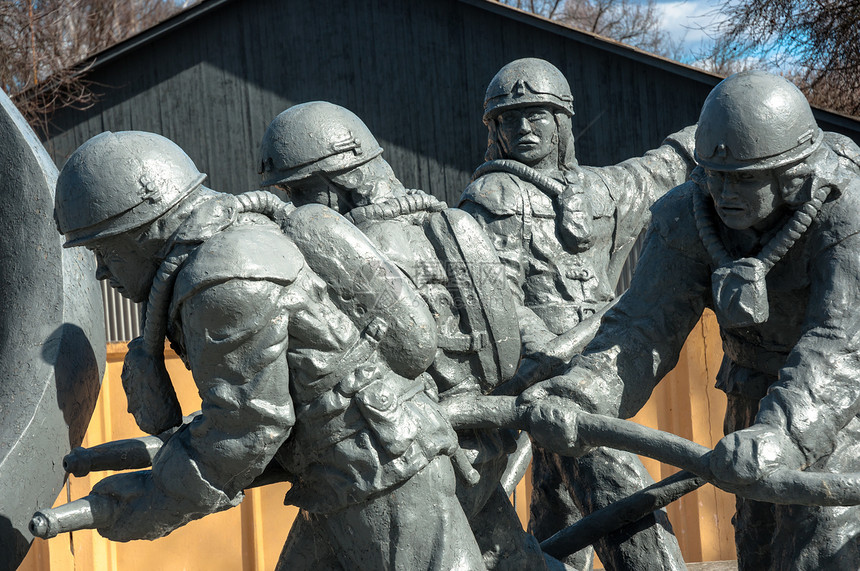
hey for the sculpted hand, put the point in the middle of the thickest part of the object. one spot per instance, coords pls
(567, 386)
(552, 424)
(750, 455)
(135, 513)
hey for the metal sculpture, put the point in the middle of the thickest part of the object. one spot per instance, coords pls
(52, 342)
(319, 152)
(308, 349)
(766, 234)
(563, 232)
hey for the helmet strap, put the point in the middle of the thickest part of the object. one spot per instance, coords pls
(494, 148)
(565, 143)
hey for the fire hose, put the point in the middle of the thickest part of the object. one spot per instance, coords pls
(780, 487)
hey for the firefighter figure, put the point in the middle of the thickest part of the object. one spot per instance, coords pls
(767, 235)
(318, 152)
(563, 232)
(301, 358)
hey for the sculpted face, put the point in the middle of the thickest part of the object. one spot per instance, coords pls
(529, 135)
(748, 199)
(125, 265)
(317, 189)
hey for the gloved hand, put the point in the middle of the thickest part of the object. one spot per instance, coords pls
(750, 455)
(134, 515)
(552, 424)
(570, 386)
(143, 510)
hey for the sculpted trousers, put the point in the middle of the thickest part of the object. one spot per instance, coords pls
(564, 488)
(504, 543)
(418, 525)
(802, 538)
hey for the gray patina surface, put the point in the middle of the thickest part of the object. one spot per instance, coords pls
(766, 234)
(321, 153)
(563, 232)
(308, 348)
(326, 356)
(52, 345)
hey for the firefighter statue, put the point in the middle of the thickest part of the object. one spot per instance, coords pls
(308, 348)
(767, 235)
(319, 152)
(563, 232)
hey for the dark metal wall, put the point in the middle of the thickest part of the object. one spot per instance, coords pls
(414, 70)
(212, 78)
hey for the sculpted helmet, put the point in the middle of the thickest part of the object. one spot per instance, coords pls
(526, 82)
(755, 121)
(314, 137)
(116, 182)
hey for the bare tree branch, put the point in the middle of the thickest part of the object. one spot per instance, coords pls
(42, 43)
(818, 41)
(626, 21)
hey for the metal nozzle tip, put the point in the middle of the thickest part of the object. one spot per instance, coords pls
(40, 527)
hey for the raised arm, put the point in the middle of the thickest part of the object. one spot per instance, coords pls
(637, 183)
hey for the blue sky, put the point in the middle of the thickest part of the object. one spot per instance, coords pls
(691, 24)
(685, 20)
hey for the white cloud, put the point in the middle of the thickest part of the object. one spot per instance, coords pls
(687, 20)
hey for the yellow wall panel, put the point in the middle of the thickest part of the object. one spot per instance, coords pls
(687, 403)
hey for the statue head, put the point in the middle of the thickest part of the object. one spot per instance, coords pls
(527, 109)
(319, 152)
(111, 191)
(755, 136)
